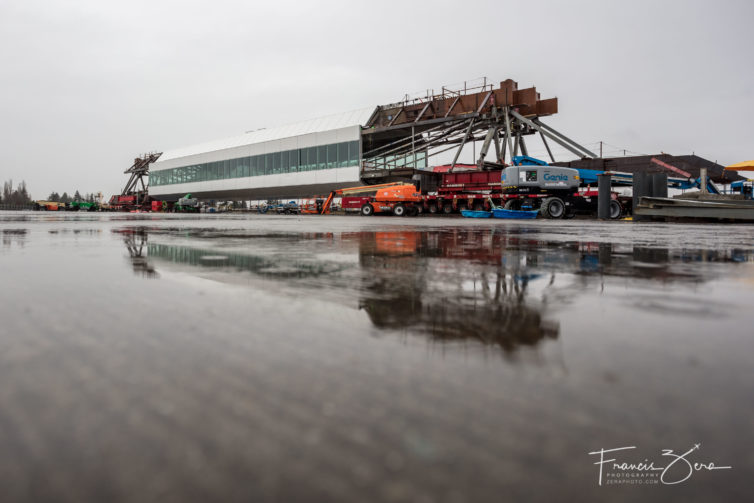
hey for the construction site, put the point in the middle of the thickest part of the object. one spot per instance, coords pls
(451, 151)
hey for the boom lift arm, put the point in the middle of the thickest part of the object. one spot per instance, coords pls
(353, 191)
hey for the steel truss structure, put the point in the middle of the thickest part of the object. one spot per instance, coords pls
(400, 135)
(138, 171)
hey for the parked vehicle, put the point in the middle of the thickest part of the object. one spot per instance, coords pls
(187, 204)
(49, 206)
(82, 206)
(398, 199)
(554, 191)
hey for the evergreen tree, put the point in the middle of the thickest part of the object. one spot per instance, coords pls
(7, 191)
(65, 198)
(23, 194)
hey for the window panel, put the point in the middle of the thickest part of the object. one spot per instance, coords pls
(322, 157)
(353, 152)
(342, 155)
(332, 156)
(311, 163)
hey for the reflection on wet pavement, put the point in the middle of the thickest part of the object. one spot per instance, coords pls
(451, 285)
(353, 359)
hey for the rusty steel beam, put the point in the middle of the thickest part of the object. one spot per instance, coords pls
(418, 117)
(452, 106)
(449, 105)
(395, 117)
(670, 167)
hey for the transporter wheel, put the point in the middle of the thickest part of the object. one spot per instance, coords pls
(399, 210)
(570, 213)
(447, 209)
(512, 204)
(616, 210)
(412, 211)
(367, 210)
(553, 207)
(433, 208)
(478, 206)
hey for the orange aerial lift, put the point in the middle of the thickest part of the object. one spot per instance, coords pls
(397, 198)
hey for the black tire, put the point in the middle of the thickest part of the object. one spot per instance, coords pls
(553, 207)
(412, 211)
(447, 209)
(512, 204)
(433, 208)
(367, 210)
(616, 210)
(399, 210)
(569, 214)
(478, 206)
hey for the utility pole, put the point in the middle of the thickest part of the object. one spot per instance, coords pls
(600, 149)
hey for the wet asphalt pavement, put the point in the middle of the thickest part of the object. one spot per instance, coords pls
(283, 358)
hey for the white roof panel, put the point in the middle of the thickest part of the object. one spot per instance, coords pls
(327, 123)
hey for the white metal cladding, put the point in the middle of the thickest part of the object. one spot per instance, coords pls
(351, 133)
(313, 132)
(294, 181)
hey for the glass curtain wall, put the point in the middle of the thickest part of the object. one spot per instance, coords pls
(337, 155)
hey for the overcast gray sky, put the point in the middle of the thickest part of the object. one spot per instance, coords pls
(87, 85)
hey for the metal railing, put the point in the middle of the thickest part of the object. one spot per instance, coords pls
(451, 91)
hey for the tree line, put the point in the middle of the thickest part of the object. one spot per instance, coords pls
(65, 198)
(18, 196)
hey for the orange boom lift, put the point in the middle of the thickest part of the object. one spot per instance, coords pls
(396, 198)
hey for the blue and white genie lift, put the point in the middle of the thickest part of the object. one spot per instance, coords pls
(555, 191)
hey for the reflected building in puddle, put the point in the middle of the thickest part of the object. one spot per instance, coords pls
(452, 286)
(449, 286)
(135, 240)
